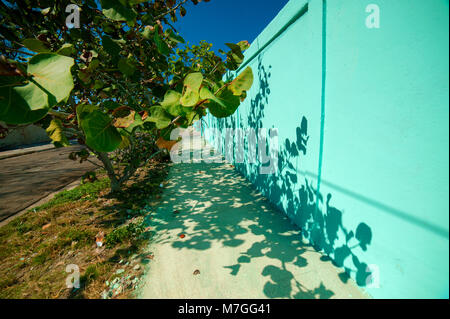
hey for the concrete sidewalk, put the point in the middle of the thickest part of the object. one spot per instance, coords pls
(216, 237)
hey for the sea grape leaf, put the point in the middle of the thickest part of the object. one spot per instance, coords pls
(50, 83)
(116, 11)
(66, 49)
(55, 132)
(243, 82)
(159, 116)
(192, 84)
(35, 45)
(100, 133)
(161, 45)
(222, 105)
(110, 46)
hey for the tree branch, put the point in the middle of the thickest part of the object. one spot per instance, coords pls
(171, 10)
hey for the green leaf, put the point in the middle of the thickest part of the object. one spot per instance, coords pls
(243, 82)
(67, 49)
(46, 10)
(125, 142)
(190, 98)
(243, 45)
(110, 46)
(236, 50)
(83, 110)
(125, 121)
(174, 37)
(52, 72)
(171, 98)
(14, 109)
(192, 84)
(84, 75)
(205, 93)
(147, 33)
(222, 105)
(172, 104)
(126, 67)
(159, 116)
(111, 105)
(51, 82)
(235, 56)
(98, 84)
(160, 43)
(115, 10)
(101, 135)
(55, 132)
(136, 123)
(193, 81)
(35, 45)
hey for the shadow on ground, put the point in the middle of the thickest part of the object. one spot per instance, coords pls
(212, 220)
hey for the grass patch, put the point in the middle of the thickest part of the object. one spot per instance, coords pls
(87, 191)
(122, 234)
(90, 274)
(36, 248)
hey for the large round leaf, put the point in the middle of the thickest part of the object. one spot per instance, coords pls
(35, 45)
(67, 49)
(126, 67)
(56, 133)
(243, 82)
(193, 81)
(52, 73)
(14, 108)
(192, 84)
(159, 116)
(51, 83)
(222, 105)
(83, 110)
(101, 135)
(110, 46)
(116, 11)
(172, 104)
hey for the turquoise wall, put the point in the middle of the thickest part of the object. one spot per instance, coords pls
(362, 119)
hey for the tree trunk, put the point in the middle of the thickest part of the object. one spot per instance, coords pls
(115, 183)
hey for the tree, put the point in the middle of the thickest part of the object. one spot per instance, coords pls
(124, 78)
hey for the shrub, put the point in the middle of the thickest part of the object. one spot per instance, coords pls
(124, 233)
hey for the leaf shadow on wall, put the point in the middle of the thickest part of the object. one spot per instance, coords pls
(321, 223)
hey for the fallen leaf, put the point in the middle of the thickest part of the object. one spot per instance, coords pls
(162, 143)
(99, 239)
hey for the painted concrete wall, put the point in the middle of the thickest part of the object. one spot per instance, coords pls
(23, 135)
(362, 119)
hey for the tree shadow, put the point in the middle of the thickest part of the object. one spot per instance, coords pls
(321, 223)
(215, 203)
(210, 204)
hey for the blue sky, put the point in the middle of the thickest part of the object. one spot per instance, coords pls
(221, 21)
